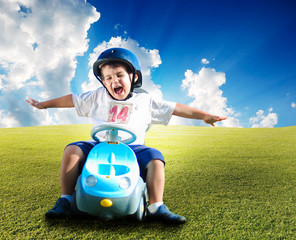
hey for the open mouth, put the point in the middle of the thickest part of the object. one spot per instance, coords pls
(118, 90)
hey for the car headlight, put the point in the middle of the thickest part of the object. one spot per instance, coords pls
(91, 181)
(124, 183)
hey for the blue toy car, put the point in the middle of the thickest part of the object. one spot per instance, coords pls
(110, 185)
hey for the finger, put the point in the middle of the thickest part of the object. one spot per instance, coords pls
(28, 102)
(28, 99)
(219, 119)
(33, 100)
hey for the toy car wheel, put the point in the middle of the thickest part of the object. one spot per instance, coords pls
(74, 208)
(75, 211)
(140, 213)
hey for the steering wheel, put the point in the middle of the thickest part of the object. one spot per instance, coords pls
(113, 131)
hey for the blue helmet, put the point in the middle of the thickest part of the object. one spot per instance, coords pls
(119, 55)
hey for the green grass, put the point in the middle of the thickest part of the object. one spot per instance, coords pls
(230, 183)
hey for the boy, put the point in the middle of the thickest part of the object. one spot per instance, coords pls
(119, 72)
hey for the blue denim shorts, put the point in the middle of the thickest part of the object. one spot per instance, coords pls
(143, 153)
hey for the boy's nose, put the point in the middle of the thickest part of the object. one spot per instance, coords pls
(115, 79)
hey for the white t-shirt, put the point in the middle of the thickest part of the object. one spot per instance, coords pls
(138, 112)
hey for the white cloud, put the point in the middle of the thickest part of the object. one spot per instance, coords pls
(44, 117)
(149, 59)
(205, 61)
(118, 26)
(69, 116)
(204, 88)
(6, 120)
(39, 43)
(293, 105)
(264, 121)
(57, 28)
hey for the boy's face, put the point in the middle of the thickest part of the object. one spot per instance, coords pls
(117, 81)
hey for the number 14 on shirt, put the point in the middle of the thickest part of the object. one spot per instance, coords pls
(119, 113)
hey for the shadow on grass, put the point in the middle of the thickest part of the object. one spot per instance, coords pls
(94, 223)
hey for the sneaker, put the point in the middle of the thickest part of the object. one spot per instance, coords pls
(61, 209)
(165, 215)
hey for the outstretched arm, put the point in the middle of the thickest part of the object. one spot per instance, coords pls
(185, 111)
(61, 102)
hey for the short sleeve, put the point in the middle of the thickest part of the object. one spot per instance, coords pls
(83, 103)
(161, 111)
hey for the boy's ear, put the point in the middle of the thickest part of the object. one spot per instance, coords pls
(136, 77)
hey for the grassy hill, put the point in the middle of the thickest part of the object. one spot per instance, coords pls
(230, 183)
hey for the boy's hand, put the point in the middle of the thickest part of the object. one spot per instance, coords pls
(61, 102)
(184, 111)
(211, 119)
(34, 103)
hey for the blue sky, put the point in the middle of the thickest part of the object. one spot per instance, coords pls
(232, 58)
